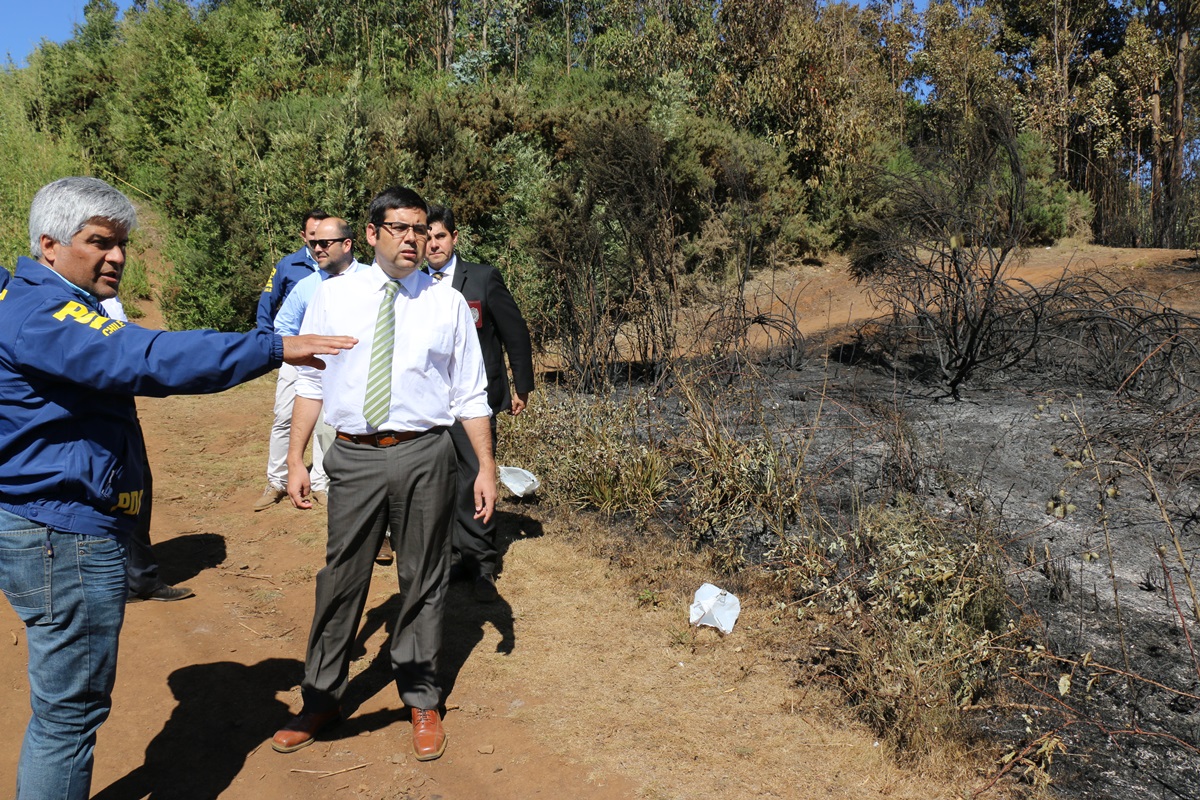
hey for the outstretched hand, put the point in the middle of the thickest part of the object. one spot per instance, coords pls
(302, 351)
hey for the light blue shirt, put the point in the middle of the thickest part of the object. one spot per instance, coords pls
(291, 313)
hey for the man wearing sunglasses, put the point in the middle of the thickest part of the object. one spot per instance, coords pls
(290, 270)
(333, 245)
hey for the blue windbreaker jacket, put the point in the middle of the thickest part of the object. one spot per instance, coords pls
(290, 270)
(70, 443)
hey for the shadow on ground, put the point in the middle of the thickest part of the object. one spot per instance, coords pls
(184, 557)
(204, 745)
(466, 624)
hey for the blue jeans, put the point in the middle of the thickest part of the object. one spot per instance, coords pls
(69, 590)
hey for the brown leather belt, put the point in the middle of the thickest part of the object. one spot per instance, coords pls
(385, 438)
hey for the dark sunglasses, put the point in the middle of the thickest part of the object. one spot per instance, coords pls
(324, 244)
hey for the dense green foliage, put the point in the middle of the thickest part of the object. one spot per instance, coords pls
(598, 153)
(29, 160)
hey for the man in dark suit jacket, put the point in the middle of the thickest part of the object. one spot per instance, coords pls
(501, 330)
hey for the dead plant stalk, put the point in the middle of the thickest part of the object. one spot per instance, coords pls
(1112, 569)
(1178, 610)
(1148, 475)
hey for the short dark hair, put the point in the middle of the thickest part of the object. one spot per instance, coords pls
(444, 215)
(316, 214)
(344, 231)
(395, 197)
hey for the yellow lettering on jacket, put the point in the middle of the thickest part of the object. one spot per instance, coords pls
(85, 316)
(73, 310)
(270, 282)
(3, 292)
(129, 503)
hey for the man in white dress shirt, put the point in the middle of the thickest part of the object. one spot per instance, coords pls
(391, 464)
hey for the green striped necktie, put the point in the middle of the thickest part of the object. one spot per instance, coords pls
(378, 400)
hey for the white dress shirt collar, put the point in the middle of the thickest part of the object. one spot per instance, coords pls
(411, 283)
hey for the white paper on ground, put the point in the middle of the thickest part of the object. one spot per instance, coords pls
(520, 482)
(715, 607)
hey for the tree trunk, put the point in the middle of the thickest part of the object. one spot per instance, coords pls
(1173, 196)
(448, 33)
(1157, 155)
(1062, 36)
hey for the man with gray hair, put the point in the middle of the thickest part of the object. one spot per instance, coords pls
(71, 460)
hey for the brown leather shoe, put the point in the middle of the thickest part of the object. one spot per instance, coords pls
(302, 730)
(429, 739)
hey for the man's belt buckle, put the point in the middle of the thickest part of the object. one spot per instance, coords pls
(391, 438)
(381, 439)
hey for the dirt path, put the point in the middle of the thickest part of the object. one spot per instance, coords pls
(823, 297)
(567, 687)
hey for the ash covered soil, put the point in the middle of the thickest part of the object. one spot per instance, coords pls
(1093, 495)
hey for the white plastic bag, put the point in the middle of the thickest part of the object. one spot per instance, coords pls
(520, 482)
(716, 608)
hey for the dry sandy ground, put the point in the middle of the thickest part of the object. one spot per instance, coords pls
(824, 298)
(567, 687)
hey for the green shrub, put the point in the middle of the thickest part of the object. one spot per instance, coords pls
(29, 159)
(585, 454)
(1051, 211)
(920, 615)
(196, 294)
(135, 283)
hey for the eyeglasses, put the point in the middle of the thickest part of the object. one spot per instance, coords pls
(398, 229)
(324, 244)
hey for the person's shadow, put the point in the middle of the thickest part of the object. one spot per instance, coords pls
(464, 627)
(223, 709)
(186, 556)
(467, 619)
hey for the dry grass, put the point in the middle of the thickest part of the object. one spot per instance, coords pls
(911, 604)
(725, 716)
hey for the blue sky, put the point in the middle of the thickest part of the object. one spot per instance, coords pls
(27, 22)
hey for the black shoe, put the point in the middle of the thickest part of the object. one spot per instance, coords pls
(485, 589)
(458, 570)
(386, 555)
(164, 593)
